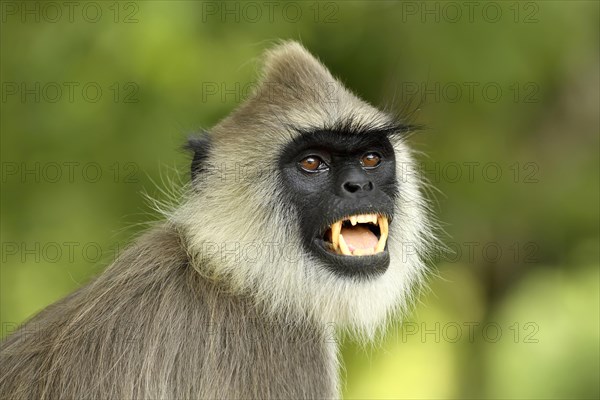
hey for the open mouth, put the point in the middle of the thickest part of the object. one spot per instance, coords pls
(358, 235)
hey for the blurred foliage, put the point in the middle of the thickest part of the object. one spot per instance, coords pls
(522, 288)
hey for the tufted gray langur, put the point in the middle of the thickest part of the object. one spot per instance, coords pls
(295, 221)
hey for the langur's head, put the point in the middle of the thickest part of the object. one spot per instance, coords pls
(302, 198)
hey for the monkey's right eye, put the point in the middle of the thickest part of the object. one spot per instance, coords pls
(312, 164)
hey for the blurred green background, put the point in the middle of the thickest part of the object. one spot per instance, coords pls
(98, 97)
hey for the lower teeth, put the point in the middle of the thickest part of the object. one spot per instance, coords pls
(339, 246)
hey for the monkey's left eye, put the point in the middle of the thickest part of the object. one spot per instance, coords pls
(370, 160)
(312, 164)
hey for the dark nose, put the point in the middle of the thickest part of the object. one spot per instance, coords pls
(356, 183)
(358, 186)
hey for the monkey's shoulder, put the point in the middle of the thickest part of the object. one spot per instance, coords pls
(151, 326)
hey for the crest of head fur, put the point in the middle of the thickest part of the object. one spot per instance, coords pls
(242, 233)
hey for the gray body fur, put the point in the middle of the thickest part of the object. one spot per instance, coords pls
(177, 317)
(151, 327)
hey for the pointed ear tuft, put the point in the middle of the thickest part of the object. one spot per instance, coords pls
(290, 64)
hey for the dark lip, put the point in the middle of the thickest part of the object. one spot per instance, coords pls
(361, 267)
(352, 267)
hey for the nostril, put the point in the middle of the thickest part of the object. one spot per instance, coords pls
(353, 187)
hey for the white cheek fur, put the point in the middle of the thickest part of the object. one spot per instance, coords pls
(249, 240)
(239, 231)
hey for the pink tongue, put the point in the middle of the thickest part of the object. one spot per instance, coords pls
(359, 237)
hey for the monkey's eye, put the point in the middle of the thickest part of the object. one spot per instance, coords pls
(312, 164)
(370, 160)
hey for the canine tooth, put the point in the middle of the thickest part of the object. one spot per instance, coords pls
(336, 228)
(353, 220)
(383, 230)
(381, 244)
(344, 247)
(374, 219)
(384, 225)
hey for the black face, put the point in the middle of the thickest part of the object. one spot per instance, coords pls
(343, 186)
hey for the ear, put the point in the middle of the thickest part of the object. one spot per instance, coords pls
(200, 146)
